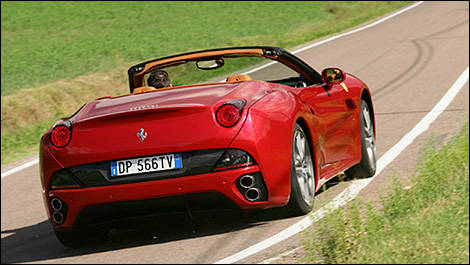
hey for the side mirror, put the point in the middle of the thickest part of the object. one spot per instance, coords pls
(332, 76)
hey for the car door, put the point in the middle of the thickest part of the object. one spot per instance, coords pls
(328, 104)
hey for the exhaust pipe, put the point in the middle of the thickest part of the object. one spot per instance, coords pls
(247, 181)
(252, 194)
(58, 217)
(56, 204)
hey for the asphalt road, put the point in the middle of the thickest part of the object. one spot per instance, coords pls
(408, 61)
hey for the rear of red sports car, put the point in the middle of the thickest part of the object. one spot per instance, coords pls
(144, 153)
(242, 143)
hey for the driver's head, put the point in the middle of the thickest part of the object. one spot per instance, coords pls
(159, 79)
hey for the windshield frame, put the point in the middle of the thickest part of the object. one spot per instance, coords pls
(137, 72)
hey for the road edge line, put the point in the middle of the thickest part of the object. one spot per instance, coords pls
(337, 36)
(358, 29)
(19, 168)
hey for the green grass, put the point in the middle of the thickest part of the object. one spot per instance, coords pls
(49, 47)
(428, 223)
(48, 41)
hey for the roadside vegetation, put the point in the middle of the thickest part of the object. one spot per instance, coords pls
(56, 56)
(427, 223)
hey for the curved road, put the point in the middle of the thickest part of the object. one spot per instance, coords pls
(408, 61)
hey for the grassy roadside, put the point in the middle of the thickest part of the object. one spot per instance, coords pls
(40, 40)
(428, 223)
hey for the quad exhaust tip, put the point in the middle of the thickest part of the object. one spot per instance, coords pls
(58, 217)
(252, 194)
(251, 187)
(247, 181)
(56, 204)
(58, 208)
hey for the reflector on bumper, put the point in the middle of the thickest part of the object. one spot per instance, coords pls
(234, 158)
(63, 179)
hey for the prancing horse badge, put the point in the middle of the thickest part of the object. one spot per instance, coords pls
(142, 134)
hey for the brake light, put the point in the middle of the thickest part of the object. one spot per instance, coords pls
(60, 136)
(229, 113)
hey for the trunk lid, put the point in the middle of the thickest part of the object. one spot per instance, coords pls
(168, 121)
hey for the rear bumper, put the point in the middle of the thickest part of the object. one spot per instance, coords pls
(222, 182)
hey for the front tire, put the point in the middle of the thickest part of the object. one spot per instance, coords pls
(302, 174)
(366, 168)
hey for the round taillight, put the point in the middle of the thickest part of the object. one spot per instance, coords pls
(60, 136)
(228, 115)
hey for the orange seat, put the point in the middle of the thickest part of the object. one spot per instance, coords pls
(143, 89)
(239, 78)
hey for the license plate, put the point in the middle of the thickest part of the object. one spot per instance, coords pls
(146, 164)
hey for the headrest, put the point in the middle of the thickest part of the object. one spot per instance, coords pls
(143, 89)
(238, 78)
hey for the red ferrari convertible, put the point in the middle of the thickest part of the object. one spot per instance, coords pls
(266, 137)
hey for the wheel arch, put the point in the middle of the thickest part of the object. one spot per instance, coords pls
(303, 124)
(368, 98)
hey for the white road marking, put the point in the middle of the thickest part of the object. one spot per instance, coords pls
(33, 162)
(19, 168)
(357, 185)
(337, 36)
(358, 29)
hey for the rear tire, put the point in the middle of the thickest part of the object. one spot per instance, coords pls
(302, 192)
(366, 168)
(79, 238)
